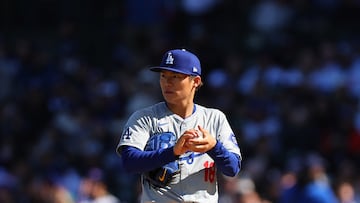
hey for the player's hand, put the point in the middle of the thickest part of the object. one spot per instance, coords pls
(180, 146)
(201, 143)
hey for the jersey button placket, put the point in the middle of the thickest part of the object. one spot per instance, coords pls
(182, 127)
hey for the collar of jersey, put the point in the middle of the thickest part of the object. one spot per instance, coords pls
(194, 109)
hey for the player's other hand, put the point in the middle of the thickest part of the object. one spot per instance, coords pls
(202, 142)
(180, 146)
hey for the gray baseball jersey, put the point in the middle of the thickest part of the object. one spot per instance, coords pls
(197, 181)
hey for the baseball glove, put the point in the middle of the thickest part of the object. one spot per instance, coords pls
(164, 175)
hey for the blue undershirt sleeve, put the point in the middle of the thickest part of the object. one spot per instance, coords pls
(227, 162)
(138, 161)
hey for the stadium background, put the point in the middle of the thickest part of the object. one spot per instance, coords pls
(286, 72)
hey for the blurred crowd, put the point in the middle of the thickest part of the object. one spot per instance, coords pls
(285, 72)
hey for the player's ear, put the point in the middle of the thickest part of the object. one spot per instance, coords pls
(197, 81)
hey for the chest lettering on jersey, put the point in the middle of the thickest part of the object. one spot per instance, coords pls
(190, 156)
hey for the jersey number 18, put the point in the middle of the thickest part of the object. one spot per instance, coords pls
(210, 171)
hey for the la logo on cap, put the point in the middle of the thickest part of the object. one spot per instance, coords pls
(169, 59)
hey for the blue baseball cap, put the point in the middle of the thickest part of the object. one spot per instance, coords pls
(180, 61)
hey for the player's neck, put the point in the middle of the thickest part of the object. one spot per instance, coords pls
(183, 110)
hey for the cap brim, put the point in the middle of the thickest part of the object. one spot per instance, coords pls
(158, 69)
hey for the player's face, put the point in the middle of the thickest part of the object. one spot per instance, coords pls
(177, 87)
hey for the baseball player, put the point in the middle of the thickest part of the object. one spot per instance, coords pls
(178, 146)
